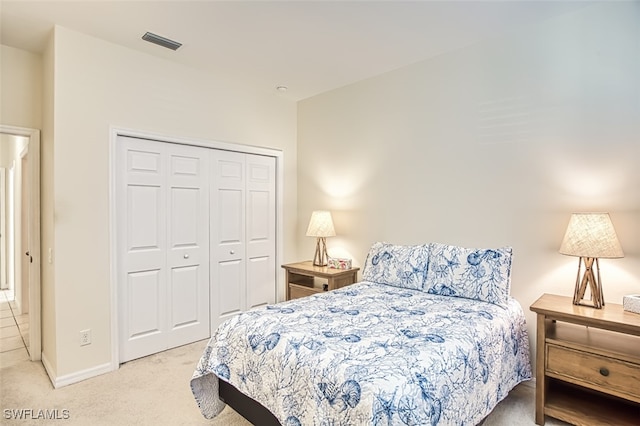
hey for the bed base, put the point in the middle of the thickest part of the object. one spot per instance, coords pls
(248, 408)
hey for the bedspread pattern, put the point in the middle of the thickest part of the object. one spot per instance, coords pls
(369, 354)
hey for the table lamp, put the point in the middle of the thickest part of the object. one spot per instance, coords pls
(590, 236)
(321, 227)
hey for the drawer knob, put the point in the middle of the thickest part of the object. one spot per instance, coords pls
(604, 371)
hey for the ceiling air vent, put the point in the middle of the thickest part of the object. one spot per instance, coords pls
(161, 41)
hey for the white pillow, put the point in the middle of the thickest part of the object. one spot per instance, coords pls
(481, 274)
(396, 265)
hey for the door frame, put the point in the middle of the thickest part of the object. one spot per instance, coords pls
(115, 133)
(34, 243)
(3, 232)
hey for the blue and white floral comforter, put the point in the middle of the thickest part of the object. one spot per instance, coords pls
(369, 354)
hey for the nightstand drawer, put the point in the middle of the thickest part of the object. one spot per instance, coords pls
(620, 378)
(297, 291)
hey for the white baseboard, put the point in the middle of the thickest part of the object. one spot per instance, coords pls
(18, 306)
(47, 368)
(78, 376)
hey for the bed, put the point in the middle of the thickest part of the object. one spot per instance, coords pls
(430, 336)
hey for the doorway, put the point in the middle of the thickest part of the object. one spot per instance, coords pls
(20, 245)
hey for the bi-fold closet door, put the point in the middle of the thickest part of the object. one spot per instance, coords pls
(162, 208)
(195, 241)
(243, 245)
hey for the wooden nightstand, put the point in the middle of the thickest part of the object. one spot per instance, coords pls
(588, 363)
(300, 278)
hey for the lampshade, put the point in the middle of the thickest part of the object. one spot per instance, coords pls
(591, 235)
(321, 224)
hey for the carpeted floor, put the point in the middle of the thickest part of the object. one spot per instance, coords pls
(155, 391)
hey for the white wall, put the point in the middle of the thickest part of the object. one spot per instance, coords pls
(97, 85)
(496, 144)
(21, 82)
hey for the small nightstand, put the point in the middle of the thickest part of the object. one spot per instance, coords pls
(300, 278)
(588, 363)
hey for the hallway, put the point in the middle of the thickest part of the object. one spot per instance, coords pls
(14, 332)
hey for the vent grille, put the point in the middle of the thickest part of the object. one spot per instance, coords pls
(161, 41)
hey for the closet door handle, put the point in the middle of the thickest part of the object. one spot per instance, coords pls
(186, 255)
(232, 252)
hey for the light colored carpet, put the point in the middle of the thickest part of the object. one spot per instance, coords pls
(155, 391)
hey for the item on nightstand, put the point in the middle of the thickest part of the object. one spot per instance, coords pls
(339, 263)
(321, 227)
(590, 236)
(631, 303)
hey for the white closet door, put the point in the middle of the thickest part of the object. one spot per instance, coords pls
(228, 262)
(188, 244)
(243, 228)
(141, 198)
(261, 230)
(162, 208)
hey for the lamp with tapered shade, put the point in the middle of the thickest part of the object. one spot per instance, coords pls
(321, 227)
(590, 236)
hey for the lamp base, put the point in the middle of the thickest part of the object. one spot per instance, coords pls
(320, 258)
(591, 280)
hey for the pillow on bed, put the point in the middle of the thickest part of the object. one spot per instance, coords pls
(399, 266)
(481, 274)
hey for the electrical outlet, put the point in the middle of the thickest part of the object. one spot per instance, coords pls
(85, 337)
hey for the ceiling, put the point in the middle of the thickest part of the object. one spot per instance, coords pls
(309, 46)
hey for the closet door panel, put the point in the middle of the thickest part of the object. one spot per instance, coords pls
(184, 294)
(261, 230)
(144, 291)
(229, 294)
(145, 239)
(228, 206)
(188, 254)
(227, 235)
(229, 221)
(141, 232)
(260, 286)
